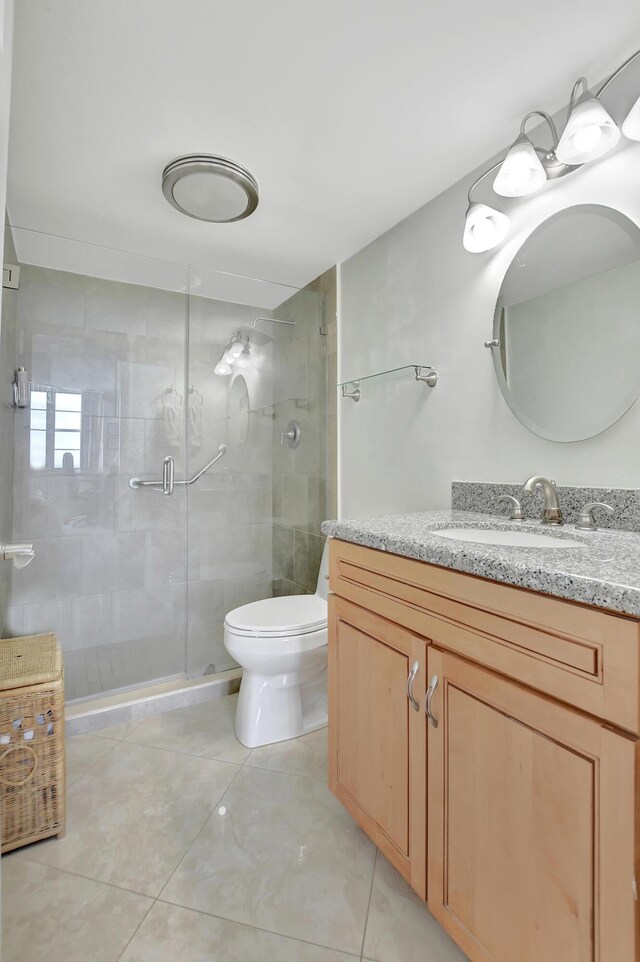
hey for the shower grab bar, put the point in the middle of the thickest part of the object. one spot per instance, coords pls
(168, 482)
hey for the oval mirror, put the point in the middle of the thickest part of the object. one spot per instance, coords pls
(238, 412)
(567, 324)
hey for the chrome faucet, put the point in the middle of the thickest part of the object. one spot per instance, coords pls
(551, 513)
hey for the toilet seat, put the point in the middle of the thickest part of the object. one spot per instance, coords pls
(279, 617)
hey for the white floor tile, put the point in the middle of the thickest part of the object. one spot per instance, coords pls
(400, 927)
(117, 732)
(170, 933)
(285, 857)
(133, 815)
(49, 916)
(306, 755)
(205, 729)
(82, 752)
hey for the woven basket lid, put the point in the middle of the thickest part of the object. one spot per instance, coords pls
(32, 660)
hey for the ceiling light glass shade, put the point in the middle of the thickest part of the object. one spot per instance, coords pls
(222, 367)
(590, 132)
(631, 125)
(521, 172)
(484, 228)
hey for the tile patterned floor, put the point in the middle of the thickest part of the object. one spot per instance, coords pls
(183, 844)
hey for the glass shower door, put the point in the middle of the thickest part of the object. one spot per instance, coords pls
(254, 520)
(105, 362)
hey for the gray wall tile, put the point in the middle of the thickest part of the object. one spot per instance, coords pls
(307, 557)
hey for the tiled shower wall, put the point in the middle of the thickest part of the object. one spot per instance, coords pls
(8, 352)
(304, 478)
(109, 574)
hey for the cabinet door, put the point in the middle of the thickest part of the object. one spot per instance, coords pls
(532, 823)
(377, 738)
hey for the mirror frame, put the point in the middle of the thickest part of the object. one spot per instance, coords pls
(239, 442)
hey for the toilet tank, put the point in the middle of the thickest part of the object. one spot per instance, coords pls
(322, 588)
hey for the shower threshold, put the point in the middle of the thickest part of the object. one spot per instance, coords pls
(114, 708)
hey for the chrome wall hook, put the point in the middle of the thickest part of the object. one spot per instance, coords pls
(426, 374)
(355, 394)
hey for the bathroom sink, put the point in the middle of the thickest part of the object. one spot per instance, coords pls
(510, 539)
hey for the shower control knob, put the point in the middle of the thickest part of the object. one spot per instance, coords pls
(292, 435)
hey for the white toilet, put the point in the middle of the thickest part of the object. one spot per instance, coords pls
(281, 643)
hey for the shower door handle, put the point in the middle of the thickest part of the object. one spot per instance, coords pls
(167, 476)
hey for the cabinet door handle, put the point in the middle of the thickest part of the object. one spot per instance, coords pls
(433, 684)
(412, 674)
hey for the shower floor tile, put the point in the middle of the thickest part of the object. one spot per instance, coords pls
(183, 844)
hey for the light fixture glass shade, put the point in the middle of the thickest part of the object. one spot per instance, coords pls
(631, 125)
(484, 228)
(244, 361)
(222, 367)
(521, 172)
(236, 349)
(590, 132)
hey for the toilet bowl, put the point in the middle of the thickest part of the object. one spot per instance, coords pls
(281, 644)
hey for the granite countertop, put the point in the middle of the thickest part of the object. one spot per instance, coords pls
(606, 573)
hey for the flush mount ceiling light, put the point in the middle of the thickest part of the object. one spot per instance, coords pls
(210, 188)
(590, 133)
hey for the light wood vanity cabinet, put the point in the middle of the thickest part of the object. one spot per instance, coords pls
(377, 739)
(520, 809)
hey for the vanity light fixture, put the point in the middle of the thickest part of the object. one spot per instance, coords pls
(484, 228)
(236, 352)
(590, 133)
(522, 172)
(631, 125)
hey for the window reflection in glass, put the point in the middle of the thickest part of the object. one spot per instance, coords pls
(56, 430)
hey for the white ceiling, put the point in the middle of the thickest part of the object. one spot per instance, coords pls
(350, 113)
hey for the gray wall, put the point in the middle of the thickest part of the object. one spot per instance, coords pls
(8, 353)
(416, 296)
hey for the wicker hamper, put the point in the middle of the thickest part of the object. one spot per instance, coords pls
(32, 772)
